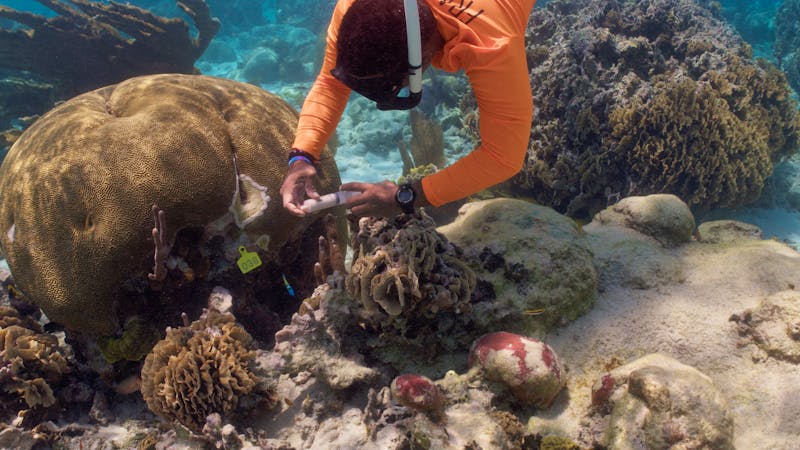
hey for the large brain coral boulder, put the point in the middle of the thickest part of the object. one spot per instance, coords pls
(656, 96)
(79, 185)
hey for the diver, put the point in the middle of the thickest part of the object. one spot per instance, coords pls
(379, 49)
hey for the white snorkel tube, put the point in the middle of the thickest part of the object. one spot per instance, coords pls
(414, 37)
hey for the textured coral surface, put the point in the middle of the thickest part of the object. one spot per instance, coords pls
(198, 370)
(78, 186)
(657, 96)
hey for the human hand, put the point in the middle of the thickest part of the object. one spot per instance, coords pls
(298, 184)
(376, 199)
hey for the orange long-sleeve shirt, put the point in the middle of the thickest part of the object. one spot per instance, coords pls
(486, 39)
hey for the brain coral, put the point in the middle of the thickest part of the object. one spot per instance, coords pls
(201, 369)
(656, 96)
(78, 186)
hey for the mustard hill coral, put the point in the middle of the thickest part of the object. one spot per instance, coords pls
(402, 266)
(204, 368)
(78, 188)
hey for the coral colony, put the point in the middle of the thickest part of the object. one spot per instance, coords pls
(156, 294)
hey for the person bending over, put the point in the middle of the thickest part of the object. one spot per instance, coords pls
(377, 47)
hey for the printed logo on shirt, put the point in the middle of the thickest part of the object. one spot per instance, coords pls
(463, 10)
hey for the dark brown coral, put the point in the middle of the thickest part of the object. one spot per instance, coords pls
(93, 44)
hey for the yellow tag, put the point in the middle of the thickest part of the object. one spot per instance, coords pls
(248, 261)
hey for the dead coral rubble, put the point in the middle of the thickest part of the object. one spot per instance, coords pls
(93, 44)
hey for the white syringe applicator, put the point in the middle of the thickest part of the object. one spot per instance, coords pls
(328, 201)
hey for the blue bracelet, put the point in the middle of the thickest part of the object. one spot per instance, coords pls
(293, 159)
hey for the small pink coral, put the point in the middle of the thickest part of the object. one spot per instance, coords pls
(417, 392)
(602, 390)
(529, 368)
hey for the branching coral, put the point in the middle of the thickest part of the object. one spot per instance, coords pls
(204, 368)
(402, 266)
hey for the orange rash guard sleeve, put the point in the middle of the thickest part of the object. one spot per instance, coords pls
(487, 40)
(325, 102)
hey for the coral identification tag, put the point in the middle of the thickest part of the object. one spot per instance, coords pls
(248, 261)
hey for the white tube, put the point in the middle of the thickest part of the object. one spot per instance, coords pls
(414, 39)
(328, 201)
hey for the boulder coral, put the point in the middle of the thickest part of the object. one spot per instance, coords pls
(78, 190)
(534, 265)
(203, 368)
(529, 368)
(402, 266)
(656, 96)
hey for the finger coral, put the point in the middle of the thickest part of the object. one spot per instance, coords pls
(204, 368)
(78, 190)
(402, 266)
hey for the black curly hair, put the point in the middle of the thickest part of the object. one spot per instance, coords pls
(372, 37)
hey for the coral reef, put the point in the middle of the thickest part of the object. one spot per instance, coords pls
(661, 403)
(203, 368)
(658, 96)
(78, 190)
(529, 368)
(403, 267)
(534, 265)
(89, 34)
(787, 40)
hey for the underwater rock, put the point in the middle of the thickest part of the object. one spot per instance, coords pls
(719, 231)
(663, 217)
(656, 96)
(403, 267)
(538, 263)
(633, 240)
(774, 325)
(203, 368)
(312, 342)
(657, 402)
(79, 185)
(417, 392)
(528, 368)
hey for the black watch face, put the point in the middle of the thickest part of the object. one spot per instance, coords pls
(405, 195)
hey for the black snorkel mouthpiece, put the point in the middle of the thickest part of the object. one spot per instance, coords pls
(386, 90)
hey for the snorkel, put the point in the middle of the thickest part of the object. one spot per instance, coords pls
(386, 89)
(414, 38)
